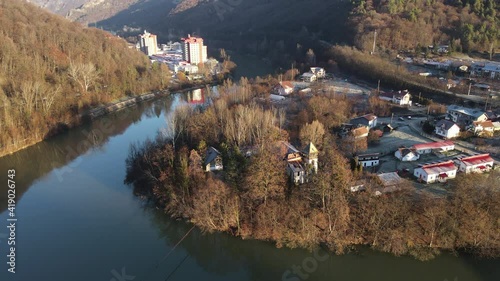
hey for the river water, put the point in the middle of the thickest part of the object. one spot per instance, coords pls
(78, 221)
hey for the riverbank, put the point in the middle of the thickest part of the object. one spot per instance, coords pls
(252, 196)
(78, 199)
(98, 112)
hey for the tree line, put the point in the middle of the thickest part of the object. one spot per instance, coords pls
(52, 70)
(253, 198)
(464, 25)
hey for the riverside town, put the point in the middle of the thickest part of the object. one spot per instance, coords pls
(250, 140)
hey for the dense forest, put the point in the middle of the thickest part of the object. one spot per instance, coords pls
(253, 198)
(464, 25)
(51, 70)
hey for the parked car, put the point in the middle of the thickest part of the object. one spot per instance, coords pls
(401, 118)
(409, 117)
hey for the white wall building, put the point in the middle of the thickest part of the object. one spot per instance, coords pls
(148, 43)
(406, 154)
(368, 120)
(425, 148)
(400, 97)
(447, 129)
(368, 160)
(193, 49)
(309, 77)
(475, 164)
(318, 71)
(438, 172)
(465, 115)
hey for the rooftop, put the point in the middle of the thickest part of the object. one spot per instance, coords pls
(477, 159)
(484, 124)
(438, 168)
(308, 74)
(212, 153)
(465, 110)
(389, 179)
(397, 94)
(432, 145)
(360, 132)
(445, 124)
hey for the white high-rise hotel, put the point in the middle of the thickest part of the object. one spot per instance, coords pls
(193, 49)
(148, 43)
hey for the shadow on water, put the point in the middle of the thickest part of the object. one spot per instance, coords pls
(68, 225)
(59, 152)
(223, 255)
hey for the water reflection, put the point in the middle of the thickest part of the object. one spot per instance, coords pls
(79, 222)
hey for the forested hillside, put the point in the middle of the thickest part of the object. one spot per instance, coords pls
(466, 25)
(51, 70)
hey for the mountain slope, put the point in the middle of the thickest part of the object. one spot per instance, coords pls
(52, 69)
(60, 7)
(465, 25)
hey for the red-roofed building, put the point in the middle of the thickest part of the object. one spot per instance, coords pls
(475, 164)
(193, 50)
(424, 148)
(284, 88)
(436, 172)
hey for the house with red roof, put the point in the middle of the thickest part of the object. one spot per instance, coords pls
(475, 164)
(425, 148)
(284, 88)
(436, 172)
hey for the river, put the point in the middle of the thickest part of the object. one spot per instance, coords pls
(78, 221)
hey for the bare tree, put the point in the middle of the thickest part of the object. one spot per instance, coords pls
(176, 123)
(313, 132)
(84, 74)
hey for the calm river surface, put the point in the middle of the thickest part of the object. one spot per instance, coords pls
(77, 221)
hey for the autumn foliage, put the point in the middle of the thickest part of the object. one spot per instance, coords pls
(52, 70)
(253, 198)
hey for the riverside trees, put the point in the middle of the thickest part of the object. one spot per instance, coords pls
(51, 70)
(251, 196)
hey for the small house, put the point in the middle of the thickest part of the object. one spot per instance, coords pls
(368, 120)
(407, 154)
(475, 164)
(318, 71)
(368, 160)
(284, 88)
(360, 132)
(300, 164)
(426, 148)
(465, 115)
(213, 160)
(483, 127)
(309, 77)
(436, 172)
(400, 97)
(447, 129)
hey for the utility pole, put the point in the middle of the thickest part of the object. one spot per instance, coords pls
(470, 85)
(374, 42)
(392, 116)
(378, 87)
(419, 98)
